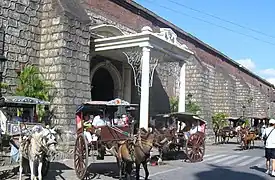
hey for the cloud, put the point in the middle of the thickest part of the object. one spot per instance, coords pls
(247, 63)
(271, 80)
(269, 72)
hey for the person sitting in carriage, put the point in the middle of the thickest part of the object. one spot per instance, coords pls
(88, 128)
(193, 130)
(98, 120)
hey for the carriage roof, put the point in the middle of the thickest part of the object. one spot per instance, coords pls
(234, 118)
(21, 101)
(104, 104)
(184, 117)
(259, 117)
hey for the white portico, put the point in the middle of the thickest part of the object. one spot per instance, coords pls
(143, 52)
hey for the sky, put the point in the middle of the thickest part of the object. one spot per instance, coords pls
(249, 39)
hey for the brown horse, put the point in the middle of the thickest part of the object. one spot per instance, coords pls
(136, 151)
(247, 138)
(165, 141)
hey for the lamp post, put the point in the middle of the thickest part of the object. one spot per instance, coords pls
(243, 109)
(189, 97)
(2, 65)
(2, 57)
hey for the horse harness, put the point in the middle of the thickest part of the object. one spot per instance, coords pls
(39, 152)
(141, 143)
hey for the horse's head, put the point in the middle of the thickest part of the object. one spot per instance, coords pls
(49, 139)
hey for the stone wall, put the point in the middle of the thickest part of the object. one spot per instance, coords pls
(64, 59)
(21, 22)
(242, 96)
(45, 33)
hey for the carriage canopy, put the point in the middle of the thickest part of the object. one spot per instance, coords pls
(10, 101)
(184, 117)
(104, 104)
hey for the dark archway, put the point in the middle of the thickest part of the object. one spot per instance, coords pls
(102, 85)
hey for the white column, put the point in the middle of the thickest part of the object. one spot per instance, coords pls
(144, 97)
(181, 107)
(127, 84)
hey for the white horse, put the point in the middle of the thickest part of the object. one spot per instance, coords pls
(35, 147)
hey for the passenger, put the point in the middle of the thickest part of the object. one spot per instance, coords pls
(125, 119)
(87, 125)
(98, 120)
(195, 128)
(26, 116)
(203, 126)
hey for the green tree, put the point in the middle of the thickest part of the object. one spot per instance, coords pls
(190, 106)
(5, 86)
(31, 83)
(219, 121)
(174, 103)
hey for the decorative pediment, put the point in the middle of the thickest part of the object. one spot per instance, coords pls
(169, 35)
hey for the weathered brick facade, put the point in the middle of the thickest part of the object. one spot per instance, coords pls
(55, 35)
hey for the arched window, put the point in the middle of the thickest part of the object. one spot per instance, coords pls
(2, 40)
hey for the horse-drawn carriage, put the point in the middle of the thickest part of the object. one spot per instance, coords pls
(185, 131)
(230, 131)
(94, 139)
(17, 117)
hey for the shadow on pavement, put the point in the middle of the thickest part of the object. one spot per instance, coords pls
(95, 170)
(56, 171)
(109, 169)
(258, 168)
(255, 147)
(225, 174)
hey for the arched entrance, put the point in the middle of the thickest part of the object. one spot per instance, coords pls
(106, 82)
(103, 85)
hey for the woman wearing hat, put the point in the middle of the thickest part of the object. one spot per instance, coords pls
(269, 139)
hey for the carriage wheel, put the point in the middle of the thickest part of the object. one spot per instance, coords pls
(195, 147)
(80, 156)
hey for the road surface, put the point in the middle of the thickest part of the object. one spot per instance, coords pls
(226, 162)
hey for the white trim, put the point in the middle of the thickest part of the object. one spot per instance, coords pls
(107, 28)
(177, 51)
(117, 79)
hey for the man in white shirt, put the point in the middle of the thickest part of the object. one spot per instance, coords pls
(98, 121)
(195, 129)
(269, 137)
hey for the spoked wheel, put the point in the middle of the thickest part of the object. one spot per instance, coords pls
(81, 156)
(195, 147)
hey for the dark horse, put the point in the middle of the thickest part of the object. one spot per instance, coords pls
(136, 151)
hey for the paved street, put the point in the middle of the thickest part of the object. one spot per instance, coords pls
(222, 161)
